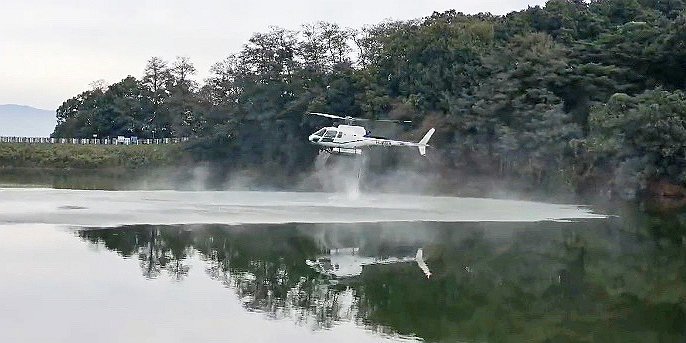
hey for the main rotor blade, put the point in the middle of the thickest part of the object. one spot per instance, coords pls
(332, 116)
(353, 119)
(393, 121)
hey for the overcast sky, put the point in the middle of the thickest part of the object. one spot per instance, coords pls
(51, 50)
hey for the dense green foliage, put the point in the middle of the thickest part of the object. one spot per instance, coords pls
(88, 156)
(574, 93)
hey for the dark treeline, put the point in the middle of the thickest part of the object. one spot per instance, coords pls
(582, 94)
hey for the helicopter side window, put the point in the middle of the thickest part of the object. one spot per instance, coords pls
(329, 136)
(339, 135)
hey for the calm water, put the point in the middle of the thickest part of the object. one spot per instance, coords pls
(616, 279)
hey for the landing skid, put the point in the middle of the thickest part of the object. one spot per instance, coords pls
(343, 151)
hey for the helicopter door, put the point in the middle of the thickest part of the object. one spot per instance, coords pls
(329, 135)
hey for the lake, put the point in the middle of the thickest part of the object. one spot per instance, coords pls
(170, 266)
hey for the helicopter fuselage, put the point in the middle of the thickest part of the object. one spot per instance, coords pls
(351, 139)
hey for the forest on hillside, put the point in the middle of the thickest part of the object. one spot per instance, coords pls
(588, 95)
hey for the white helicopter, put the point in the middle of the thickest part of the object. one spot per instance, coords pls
(349, 139)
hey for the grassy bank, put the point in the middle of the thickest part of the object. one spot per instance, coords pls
(65, 156)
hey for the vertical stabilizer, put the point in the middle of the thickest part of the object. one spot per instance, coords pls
(424, 142)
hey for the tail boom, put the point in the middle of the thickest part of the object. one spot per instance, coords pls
(421, 145)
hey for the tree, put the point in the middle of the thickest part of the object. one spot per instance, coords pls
(325, 48)
(222, 87)
(271, 56)
(180, 113)
(640, 138)
(181, 73)
(156, 76)
(75, 116)
(518, 120)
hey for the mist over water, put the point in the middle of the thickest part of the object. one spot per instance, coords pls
(352, 177)
(109, 208)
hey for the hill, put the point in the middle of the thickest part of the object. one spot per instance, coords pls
(20, 120)
(574, 95)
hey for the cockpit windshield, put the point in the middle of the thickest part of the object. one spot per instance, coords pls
(330, 134)
(320, 132)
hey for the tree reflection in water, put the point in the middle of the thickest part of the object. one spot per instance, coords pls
(601, 280)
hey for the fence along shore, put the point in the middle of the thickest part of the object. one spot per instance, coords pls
(121, 140)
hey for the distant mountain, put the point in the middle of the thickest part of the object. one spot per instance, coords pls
(26, 121)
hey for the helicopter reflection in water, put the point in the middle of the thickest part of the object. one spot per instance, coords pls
(498, 281)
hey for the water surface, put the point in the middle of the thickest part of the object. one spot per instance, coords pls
(170, 266)
(591, 280)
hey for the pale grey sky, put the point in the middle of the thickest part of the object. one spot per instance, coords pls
(50, 50)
